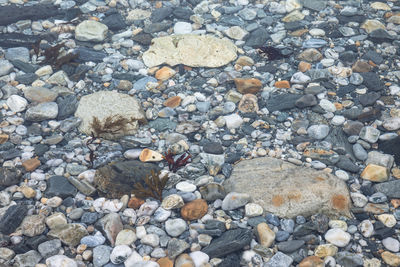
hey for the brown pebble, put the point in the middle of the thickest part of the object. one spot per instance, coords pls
(361, 66)
(311, 261)
(304, 66)
(135, 203)
(248, 85)
(194, 210)
(165, 262)
(164, 73)
(3, 138)
(31, 164)
(282, 84)
(173, 102)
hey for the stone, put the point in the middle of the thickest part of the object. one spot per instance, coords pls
(310, 55)
(248, 85)
(312, 261)
(17, 103)
(392, 124)
(120, 253)
(59, 186)
(375, 173)
(55, 220)
(236, 32)
(33, 225)
(194, 210)
(12, 218)
(148, 155)
(125, 237)
(265, 235)
(325, 250)
(110, 225)
(173, 201)
(319, 131)
(288, 190)
(117, 179)
(387, 219)
(248, 103)
(184, 260)
(175, 227)
(235, 200)
(229, 242)
(101, 255)
(253, 210)
(91, 31)
(369, 134)
(337, 237)
(391, 244)
(371, 25)
(69, 234)
(279, 259)
(178, 49)
(60, 261)
(176, 247)
(49, 248)
(31, 164)
(28, 259)
(5, 67)
(40, 94)
(42, 111)
(164, 73)
(105, 106)
(390, 258)
(390, 189)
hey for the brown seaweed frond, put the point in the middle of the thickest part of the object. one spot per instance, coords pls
(92, 148)
(154, 186)
(51, 54)
(175, 164)
(65, 59)
(111, 125)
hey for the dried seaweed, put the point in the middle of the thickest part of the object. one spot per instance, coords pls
(154, 186)
(51, 54)
(65, 59)
(111, 125)
(92, 148)
(271, 53)
(175, 164)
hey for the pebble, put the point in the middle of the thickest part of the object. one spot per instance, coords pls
(337, 237)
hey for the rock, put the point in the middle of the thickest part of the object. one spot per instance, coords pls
(184, 260)
(31, 164)
(114, 22)
(120, 253)
(12, 218)
(109, 107)
(318, 132)
(391, 244)
(279, 259)
(69, 234)
(17, 103)
(49, 248)
(266, 235)
(371, 25)
(194, 210)
(28, 259)
(282, 102)
(235, 200)
(42, 111)
(9, 176)
(290, 246)
(337, 237)
(175, 227)
(248, 85)
(176, 247)
(33, 225)
(59, 186)
(312, 261)
(13, 13)
(91, 30)
(60, 261)
(390, 189)
(118, 179)
(110, 225)
(310, 55)
(285, 189)
(5, 67)
(101, 255)
(212, 191)
(178, 49)
(390, 147)
(229, 242)
(125, 237)
(375, 173)
(39, 94)
(325, 250)
(369, 134)
(55, 220)
(390, 258)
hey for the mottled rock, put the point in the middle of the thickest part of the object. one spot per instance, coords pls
(288, 190)
(69, 234)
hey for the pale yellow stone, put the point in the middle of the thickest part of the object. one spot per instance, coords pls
(293, 16)
(372, 24)
(390, 258)
(148, 155)
(387, 219)
(374, 262)
(380, 6)
(266, 235)
(394, 19)
(338, 224)
(375, 173)
(325, 250)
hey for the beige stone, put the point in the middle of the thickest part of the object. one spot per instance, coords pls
(148, 155)
(395, 19)
(90, 30)
(375, 173)
(287, 190)
(387, 219)
(164, 73)
(109, 105)
(380, 6)
(265, 235)
(293, 16)
(372, 24)
(311, 261)
(390, 259)
(325, 250)
(179, 49)
(138, 14)
(248, 85)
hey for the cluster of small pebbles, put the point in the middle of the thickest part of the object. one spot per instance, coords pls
(284, 158)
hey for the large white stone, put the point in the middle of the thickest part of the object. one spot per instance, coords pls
(337, 237)
(60, 261)
(17, 103)
(106, 104)
(90, 30)
(191, 50)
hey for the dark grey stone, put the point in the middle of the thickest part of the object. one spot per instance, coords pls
(372, 81)
(346, 164)
(213, 148)
(9, 176)
(257, 38)
(391, 189)
(316, 5)
(115, 22)
(12, 218)
(348, 259)
(87, 54)
(229, 242)
(162, 124)
(391, 147)
(232, 260)
(308, 100)
(339, 141)
(369, 99)
(380, 36)
(59, 186)
(67, 106)
(231, 20)
(182, 13)
(156, 27)
(24, 66)
(159, 14)
(281, 102)
(27, 78)
(13, 13)
(290, 246)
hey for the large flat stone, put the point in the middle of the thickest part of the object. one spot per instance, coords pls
(287, 190)
(179, 49)
(109, 105)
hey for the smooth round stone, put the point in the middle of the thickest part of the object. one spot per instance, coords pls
(161, 214)
(173, 201)
(91, 30)
(229, 107)
(338, 120)
(369, 134)
(318, 165)
(17, 103)
(132, 153)
(175, 227)
(391, 244)
(319, 131)
(356, 79)
(359, 152)
(5, 67)
(182, 27)
(93, 241)
(199, 258)
(300, 78)
(366, 228)
(150, 240)
(42, 111)
(233, 121)
(287, 225)
(60, 260)
(338, 224)
(120, 253)
(101, 255)
(342, 175)
(327, 62)
(17, 53)
(317, 32)
(273, 219)
(125, 237)
(387, 219)
(235, 200)
(185, 186)
(377, 197)
(327, 105)
(253, 210)
(337, 237)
